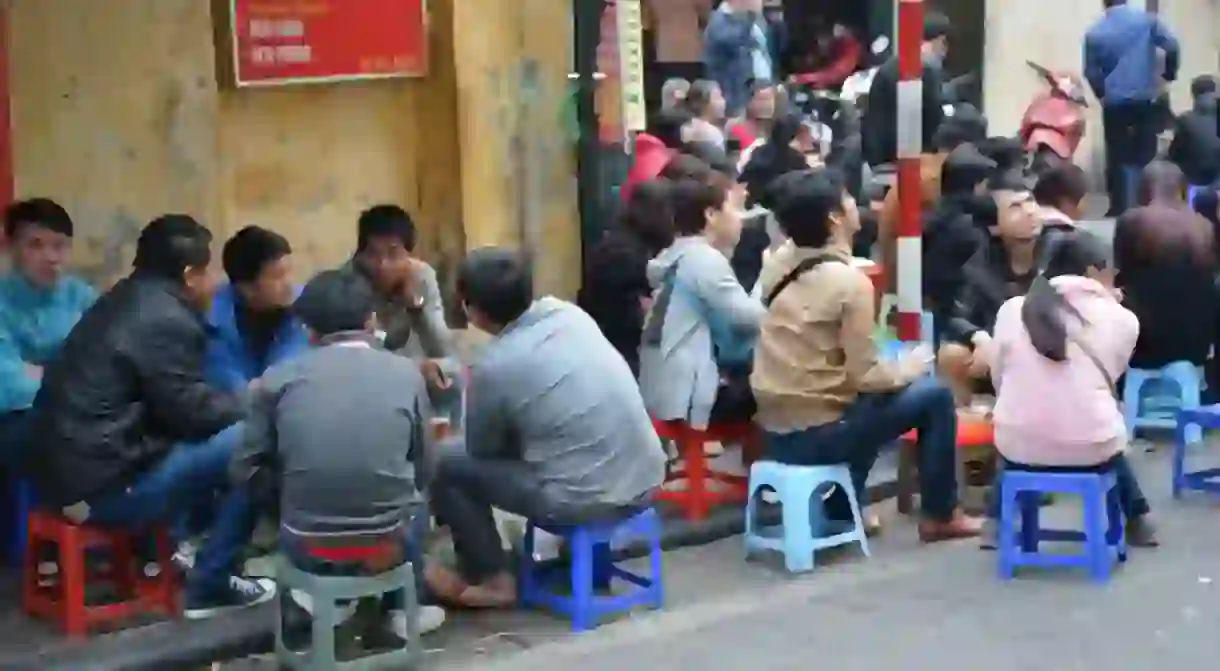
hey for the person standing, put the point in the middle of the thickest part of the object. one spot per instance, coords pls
(1125, 71)
(1196, 136)
(39, 305)
(736, 51)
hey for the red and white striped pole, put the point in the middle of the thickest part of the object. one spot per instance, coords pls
(910, 146)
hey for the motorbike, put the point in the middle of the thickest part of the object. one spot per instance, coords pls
(1054, 122)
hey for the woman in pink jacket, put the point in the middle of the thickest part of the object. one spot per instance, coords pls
(1056, 355)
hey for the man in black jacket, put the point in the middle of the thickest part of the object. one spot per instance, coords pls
(130, 434)
(879, 125)
(1196, 135)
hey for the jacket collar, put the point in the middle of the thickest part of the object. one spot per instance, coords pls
(832, 251)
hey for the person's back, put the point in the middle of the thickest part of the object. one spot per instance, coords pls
(1063, 413)
(1120, 55)
(573, 405)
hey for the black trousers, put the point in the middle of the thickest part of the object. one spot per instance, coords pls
(1131, 137)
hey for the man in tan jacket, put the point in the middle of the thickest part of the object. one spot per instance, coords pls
(824, 396)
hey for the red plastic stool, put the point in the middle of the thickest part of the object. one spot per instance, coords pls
(975, 443)
(697, 497)
(64, 602)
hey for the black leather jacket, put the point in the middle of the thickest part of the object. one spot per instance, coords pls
(879, 127)
(126, 386)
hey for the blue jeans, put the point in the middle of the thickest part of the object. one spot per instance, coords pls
(15, 429)
(1130, 497)
(870, 424)
(191, 473)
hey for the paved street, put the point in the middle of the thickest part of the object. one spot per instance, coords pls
(908, 607)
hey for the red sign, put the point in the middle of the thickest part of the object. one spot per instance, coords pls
(301, 41)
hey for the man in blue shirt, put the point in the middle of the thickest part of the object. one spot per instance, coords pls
(39, 305)
(1124, 69)
(252, 323)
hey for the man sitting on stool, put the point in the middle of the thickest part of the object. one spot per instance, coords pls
(556, 430)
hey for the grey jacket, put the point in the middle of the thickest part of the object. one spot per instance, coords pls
(551, 391)
(678, 372)
(342, 425)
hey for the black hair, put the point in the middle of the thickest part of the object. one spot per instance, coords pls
(1112, 3)
(334, 301)
(966, 125)
(804, 201)
(1074, 253)
(250, 250)
(1008, 154)
(1063, 182)
(648, 214)
(699, 97)
(691, 198)
(1202, 85)
(1007, 180)
(384, 221)
(715, 157)
(170, 244)
(667, 126)
(964, 169)
(935, 26)
(497, 282)
(41, 212)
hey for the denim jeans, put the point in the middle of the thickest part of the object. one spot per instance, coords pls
(412, 536)
(175, 486)
(464, 491)
(1130, 135)
(15, 428)
(1130, 496)
(873, 422)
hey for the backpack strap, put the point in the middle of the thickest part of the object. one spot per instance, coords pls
(800, 269)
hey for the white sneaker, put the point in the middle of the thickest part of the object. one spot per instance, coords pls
(430, 619)
(239, 593)
(184, 556)
(305, 601)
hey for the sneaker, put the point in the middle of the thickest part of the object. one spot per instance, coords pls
(184, 556)
(305, 601)
(430, 619)
(240, 593)
(1141, 533)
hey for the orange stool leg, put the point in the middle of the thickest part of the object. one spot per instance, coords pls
(72, 581)
(696, 478)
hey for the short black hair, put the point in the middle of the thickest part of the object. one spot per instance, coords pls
(936, 25)
(699, 97)
(691, 198)
(714, 156)
(1202, 85)
(383, 221)
(41, 212)
(250, 250)
(335, 301)
(964, 168)
(170, 244)
(804, 201)
(497, 282)
(667, 126)
(1063, 182)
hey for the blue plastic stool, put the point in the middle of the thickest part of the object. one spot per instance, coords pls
(1103, 535)
(804, 529)
(592, 566)
(1182, 373)
(1207, 480)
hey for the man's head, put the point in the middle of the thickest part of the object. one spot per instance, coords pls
(1203, 90)
(177, 248)
(39, 233)
(259, 265)
(814, 209)
(1162, 182)
(1063, 187)
(1017, 219)
(707, 203)
(385, 243)
(673, 92)
(495, 287)
(936, 28)
(965, 172)
(705, 100)
(336, 302)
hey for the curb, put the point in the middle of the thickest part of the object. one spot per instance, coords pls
(191, 644)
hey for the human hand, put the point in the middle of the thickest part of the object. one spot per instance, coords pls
(917, 362)
(434, 374)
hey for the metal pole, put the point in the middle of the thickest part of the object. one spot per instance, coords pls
(910, 146)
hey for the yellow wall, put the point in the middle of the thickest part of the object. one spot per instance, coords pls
(117, 113)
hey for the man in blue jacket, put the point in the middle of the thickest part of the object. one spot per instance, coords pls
(253, 327)
(39, 305)
(736, 51)
(1125, 72)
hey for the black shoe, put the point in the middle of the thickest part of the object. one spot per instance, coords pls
(239, 593)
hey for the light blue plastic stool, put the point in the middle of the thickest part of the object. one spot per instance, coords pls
(804, 529)
(1182, 373)
(1203, 480)
(1103, 533)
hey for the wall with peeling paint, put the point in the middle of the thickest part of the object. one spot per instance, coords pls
(117, 113)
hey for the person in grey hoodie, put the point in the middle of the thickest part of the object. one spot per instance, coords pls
(409, 309)
(556, 430)
(340, 428)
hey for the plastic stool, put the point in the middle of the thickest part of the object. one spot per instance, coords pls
(65, 603)
(696, 499)
(1207, 480)
(592, 566)
(1103, 533)
(804, 529)
(326, 592)
(1183, 373)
